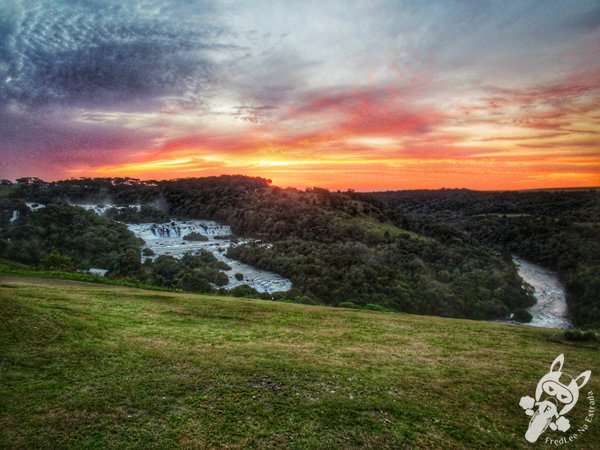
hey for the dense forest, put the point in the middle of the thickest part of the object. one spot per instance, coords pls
(338, 248)
(67, 238)
(64, 237)
(557, 229)
(441, 252)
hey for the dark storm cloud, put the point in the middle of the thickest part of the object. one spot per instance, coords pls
(97, 54)
(56, 133)
(59, 60)
(38, 144)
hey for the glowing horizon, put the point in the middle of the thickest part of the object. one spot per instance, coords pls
(368, 96)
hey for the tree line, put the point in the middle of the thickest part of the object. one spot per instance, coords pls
(336, 247)
(557, 229)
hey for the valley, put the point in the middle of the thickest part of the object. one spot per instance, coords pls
(445, 253)
(551, 308)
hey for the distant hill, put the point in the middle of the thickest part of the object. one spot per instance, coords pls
(559, 229)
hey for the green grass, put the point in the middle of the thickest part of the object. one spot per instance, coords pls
(13, 268)
(380, 228)
(117, 367)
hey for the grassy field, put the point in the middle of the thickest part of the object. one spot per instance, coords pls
(90, 366)
(12, 268)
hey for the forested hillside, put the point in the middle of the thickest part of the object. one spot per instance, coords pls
(64, 237)
(336, 247)
(557, 229)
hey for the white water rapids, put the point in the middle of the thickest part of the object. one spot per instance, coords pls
(168, 239)
(550, 309)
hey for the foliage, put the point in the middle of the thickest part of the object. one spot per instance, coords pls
(191, 273)
(578, 335)
(557, 229)
(15, 269)
(334, 246)
(145, 214)
(374, 307)
(522, 315)
(243, 290)
(194, 236)
(347, 304)
(61, 236)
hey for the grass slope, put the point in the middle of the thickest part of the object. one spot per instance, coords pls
(117, 367)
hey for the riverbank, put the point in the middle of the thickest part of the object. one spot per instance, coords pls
(551, 309)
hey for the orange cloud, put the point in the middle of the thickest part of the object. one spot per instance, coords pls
(373, 139)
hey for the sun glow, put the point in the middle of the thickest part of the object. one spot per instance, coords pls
(382, 105)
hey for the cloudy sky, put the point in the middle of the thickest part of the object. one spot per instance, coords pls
(355, 94)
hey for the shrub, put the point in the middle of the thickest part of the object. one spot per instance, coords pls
(522, 315)
(348, 305)
(239, 276)
(218, 278)
(221, 265)
(578, 335)
(278, 295)
(374, 307)
(128, 264)
(306, 300)
(194, 236)
(589, 336)
(55, 261)
(243, 291)
(191, 282)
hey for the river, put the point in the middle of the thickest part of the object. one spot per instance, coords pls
(551, 308)
(169, 239)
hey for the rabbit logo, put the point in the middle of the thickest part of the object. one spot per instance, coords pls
(556, 394)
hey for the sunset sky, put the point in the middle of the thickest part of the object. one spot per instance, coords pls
(357, 94)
